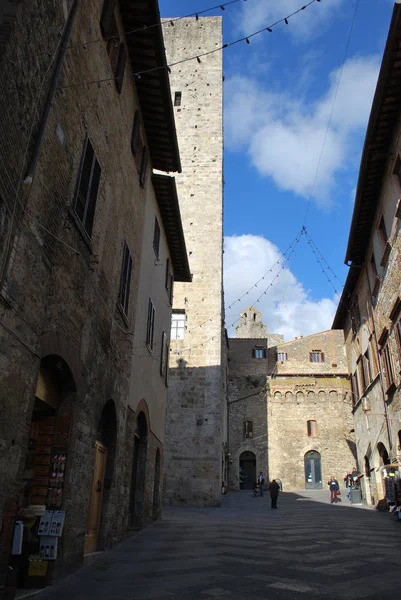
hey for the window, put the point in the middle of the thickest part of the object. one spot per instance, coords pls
(144, 167)
(385, 353)
(311, 428)
(107, 19)
(88, 187)
(259, 353)
(169, 282)
(316, 356)
(136, 134)
(397, 169)
(177, 325)
(167, 365)
(395, 317)
(254, 316)
(361, 374)
(163, 355)
(125, 281)
(248, 429)
(282, 356)
(355, 389)
(156, 238)
(150, 329)
(385, 244)
(177, 99)
(375, 279)
(367, 367)
(355, 316)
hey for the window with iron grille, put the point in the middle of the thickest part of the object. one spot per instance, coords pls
(259, 353)
(282, 356)
(316, 356)
(150, 328)
(248, 432)
(156, 238)
(311, 428)
(177, 325)
(88, 188)
(125, 281)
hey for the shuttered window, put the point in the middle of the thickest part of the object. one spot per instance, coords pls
(163, 355)
(259, 353)
(88, 188)
(316, 356)
(156, 238)
(125, 281)
(248, 429)
(144, 167)
(107, 20)
(135, 137)
(150, 328)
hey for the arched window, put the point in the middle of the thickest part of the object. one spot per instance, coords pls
(311, 428)
(381, 448)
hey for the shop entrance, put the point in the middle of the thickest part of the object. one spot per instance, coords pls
(247, 470)
(36, 535)
(103, 468)
(313, 470)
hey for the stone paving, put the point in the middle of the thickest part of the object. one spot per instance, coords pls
(244, 550)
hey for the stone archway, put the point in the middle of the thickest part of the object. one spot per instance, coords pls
(136, 508)
(313, 470)
(384, 457)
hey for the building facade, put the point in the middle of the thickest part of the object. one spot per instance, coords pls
(196, 421)
(289, 408)
(370, 306)
(79, 432)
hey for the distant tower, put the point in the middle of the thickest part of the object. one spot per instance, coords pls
(250, 325)
(196, 418)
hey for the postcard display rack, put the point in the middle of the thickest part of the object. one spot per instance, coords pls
(50, 529)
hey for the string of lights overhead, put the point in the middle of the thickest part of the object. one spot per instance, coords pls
(198, 57)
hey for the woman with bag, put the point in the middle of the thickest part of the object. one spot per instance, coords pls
(334, 489)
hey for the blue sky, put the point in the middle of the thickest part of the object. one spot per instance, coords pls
(279, 93)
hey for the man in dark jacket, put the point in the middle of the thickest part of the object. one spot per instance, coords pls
(274, 489)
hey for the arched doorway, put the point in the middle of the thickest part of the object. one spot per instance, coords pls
(156, 512)
(44, 478)
(105, 446)
(384, 457)
(313, 470)
(138, 472)
(247, 470)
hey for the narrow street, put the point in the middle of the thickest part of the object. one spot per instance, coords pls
(245, 550)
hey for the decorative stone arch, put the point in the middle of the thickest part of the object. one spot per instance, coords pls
(277, 396)
(333, 395)
(56, 344)
(300, 396)
(311, 396)
(322, 396)
(384, 457)
(289, 396)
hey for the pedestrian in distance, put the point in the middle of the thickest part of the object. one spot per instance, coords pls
(348, 483)
(261, 482)
(334, 490)
(274, 490)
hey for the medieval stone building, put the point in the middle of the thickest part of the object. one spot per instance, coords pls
(196, 413)
(289, 407)
(370, 307)
(90, 242)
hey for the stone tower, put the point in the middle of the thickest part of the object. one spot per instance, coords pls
(196, 407)
(250, 325)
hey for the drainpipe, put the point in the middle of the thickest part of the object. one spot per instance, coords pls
(52, 91)
(380, 370)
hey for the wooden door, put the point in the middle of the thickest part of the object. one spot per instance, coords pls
(95, 504)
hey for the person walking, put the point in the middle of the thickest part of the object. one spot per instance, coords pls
(334, 489)
(274, 490)
(348, 483)
(261, 481)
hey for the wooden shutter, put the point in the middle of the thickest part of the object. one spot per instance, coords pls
(167, 275)
(119, 72)
(264, 353)
(144, 166)
(166, 381)
(149, 323)
(107, 20)
(135, 134)
(163, 354)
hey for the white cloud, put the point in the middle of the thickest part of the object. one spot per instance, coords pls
(284, 135)
(258, 14)
(286, 306)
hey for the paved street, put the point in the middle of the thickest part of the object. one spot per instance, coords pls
(306, 549)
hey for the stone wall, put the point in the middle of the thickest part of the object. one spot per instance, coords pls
(60, 289)
(196, 401)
